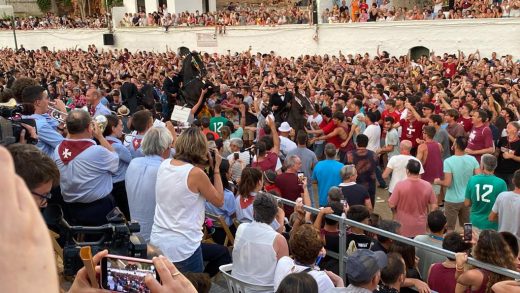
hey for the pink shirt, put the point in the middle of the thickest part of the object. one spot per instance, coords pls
(411, 198)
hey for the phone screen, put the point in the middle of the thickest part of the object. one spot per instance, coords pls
(125, 274)
(468, 231)
(301, 175)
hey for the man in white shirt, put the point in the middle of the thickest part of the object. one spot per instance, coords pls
(397, 165)
(286, 144)
(506, 207)
(238, 160)
(373, 132)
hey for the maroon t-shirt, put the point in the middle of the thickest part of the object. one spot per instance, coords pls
(480, 138)
(411, 131)
(290, 189)
(466, 122)
(449, 69)
(268, 163)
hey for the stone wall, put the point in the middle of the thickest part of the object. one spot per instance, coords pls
(25, 7)
(487, 35)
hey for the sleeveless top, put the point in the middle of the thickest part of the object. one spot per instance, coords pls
(433, 164)
(442, 279)
(350, 145)
(179, 213)
(483, 286)
(254, 258)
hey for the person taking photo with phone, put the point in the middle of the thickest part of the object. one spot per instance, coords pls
(182, 189)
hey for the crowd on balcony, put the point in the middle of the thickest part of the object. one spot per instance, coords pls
(280, 13)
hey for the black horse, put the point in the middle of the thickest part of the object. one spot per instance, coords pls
(193, 72)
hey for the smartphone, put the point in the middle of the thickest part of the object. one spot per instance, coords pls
(236, 156)
(301, 175)
(468, 231)
(124, 274)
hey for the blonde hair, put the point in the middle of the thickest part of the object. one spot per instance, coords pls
(192, 147)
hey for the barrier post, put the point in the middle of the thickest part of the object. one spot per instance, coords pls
(342, 249)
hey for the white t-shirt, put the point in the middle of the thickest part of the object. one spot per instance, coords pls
(318, 119)
(286, 145)
(398, 165)
(507, 206)
(373, 132)
(286, 266)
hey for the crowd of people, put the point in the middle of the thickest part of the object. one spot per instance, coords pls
(53, 21)
(385, 10)
(237, 14)
(279, 13)
(441, 133)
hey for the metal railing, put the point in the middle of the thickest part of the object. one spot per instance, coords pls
(343, 223)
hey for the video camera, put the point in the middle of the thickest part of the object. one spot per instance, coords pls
(11, 124)
(118, 236)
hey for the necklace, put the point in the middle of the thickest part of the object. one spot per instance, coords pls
(436, 237)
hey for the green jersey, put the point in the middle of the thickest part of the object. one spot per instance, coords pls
(483, 191)
(216, 123)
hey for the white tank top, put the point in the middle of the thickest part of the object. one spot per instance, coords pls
(254, 258)
(179, 213)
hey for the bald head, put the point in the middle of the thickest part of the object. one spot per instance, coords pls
(405, 147)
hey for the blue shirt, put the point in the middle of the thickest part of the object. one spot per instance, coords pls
(227, 210)
(101, 110)
(124, 158)
(88, 177)
(48, 137)
(140, 179)
(135, 152)
(327, 174)
(104, 101)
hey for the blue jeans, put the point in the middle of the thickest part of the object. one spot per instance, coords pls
(311, 194)
(319, 149)
(193, 264)
(379, 177)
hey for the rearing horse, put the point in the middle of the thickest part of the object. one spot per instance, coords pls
(193, 73)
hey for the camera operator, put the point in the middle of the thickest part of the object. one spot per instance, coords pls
(86, 171)
(36, 101)
(37, 170)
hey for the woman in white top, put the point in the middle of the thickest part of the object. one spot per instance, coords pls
(181, 191)
(306, 245)
(250, 184)
(257, 246)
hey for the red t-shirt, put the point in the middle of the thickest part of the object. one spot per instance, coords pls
(480, 138)
(268, 163)
(411, 131)
(395, 115)
(449, 69)
(327, 128)
(206, 131)
(290, 189)
(466, 122)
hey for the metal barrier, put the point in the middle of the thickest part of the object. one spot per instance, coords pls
(343, 222)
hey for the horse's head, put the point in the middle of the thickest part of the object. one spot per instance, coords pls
(183, 52)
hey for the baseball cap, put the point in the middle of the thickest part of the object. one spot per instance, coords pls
(363, 264)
